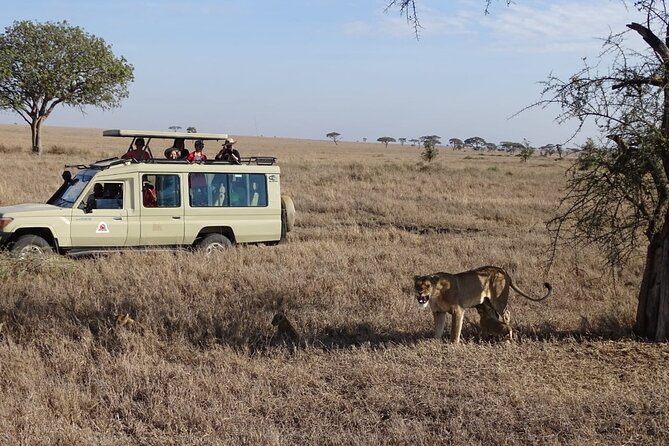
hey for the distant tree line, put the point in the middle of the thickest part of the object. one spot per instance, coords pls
(429, 144)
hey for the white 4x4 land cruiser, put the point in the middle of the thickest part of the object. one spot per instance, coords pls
(124, 203)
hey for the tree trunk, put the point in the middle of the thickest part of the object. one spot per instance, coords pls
(652, 318)
(35, 127)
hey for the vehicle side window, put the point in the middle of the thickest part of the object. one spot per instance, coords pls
(227, 189)
(248, 190)
(198, 189)
(104, 196)
(162, 191)
(208, 189)
(258, 187)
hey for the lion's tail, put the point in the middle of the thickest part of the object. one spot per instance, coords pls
(547, 285)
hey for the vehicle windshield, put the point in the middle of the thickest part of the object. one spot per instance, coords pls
(70, 194)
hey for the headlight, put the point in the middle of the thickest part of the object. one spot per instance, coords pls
(4, 221)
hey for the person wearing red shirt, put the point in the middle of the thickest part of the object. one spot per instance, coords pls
(139, 153)
(197, 154)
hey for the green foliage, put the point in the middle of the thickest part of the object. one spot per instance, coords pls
(43, 65)
(589, 156)
(430, 150)
(526, 151)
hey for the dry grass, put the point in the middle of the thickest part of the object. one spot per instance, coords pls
(200, 365)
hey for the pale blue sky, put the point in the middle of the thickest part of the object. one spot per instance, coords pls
(303, 68)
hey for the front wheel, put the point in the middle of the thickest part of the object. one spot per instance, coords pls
(31, 245)
(214, 242)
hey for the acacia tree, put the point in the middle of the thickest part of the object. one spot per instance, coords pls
(386, 139)
(43, 65)
(526, 151)
(430, 150)
(618, 191)
(476, 142)
(334, 136)
(456, 143)
(511, 146)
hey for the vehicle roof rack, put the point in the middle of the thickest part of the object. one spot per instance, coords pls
(108, 162)
(257, 160)
(163, 135)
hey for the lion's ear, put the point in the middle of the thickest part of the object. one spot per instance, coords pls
(434, 278)
(415, 278)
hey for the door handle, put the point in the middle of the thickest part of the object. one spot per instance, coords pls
(118, 218)
(176, 218)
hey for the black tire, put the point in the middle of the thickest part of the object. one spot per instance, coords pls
(289, 206)
(214, 242)
(31, 245)
(284, 226)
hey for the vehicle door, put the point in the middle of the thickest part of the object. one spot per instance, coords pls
(162, 210)
(100, 218)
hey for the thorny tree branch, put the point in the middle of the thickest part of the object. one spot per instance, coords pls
(408, 8)
(617, 192)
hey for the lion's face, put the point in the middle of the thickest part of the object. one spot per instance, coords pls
(423, 287)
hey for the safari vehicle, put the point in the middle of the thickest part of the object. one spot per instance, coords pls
(122, 203)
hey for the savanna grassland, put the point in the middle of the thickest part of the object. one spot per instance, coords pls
(200, 364)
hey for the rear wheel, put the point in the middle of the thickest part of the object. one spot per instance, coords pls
(289, 206)
(214, 242)
(30, 244)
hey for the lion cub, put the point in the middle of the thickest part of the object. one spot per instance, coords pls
(493, 323)
(284, 329)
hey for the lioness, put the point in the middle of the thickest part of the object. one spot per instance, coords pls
(493, 323)
(453, 293)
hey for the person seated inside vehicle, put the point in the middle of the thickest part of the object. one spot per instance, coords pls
(113, 190)
(91, 203)
(238, 195)
(197, 185)
(104, 196)
(139, 153)
(149, 195)
(221, 197)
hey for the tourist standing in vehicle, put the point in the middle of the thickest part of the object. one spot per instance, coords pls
(139, 153)
(173, 153)
(227, 153)
(197, 154)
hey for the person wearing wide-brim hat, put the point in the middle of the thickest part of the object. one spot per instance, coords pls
(227, 153)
